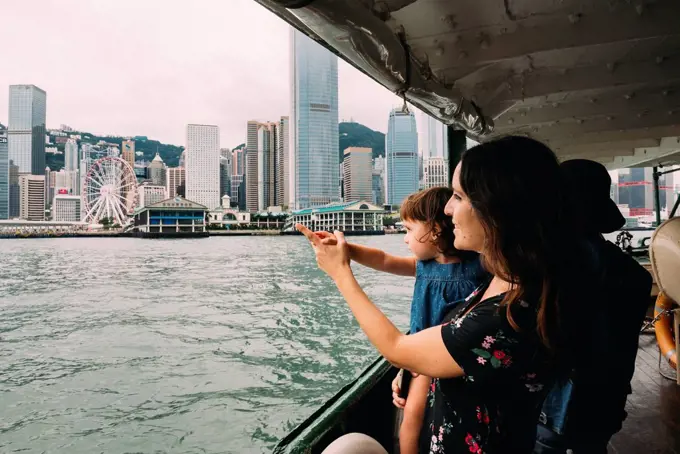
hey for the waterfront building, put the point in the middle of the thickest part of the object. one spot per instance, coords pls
(173, 215)
(313, 156)
(360, 216)
(203, 165)
(357, 174)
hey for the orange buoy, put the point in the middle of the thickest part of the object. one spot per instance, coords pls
(664, 328)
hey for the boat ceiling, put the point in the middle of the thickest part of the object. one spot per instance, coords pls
(597, 79)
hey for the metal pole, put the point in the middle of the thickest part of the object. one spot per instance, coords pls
(675, 206)
(457, 144)
(657, 197)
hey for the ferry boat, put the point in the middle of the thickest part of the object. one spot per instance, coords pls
(597, 80)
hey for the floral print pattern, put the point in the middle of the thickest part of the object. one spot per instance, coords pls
(463, 414)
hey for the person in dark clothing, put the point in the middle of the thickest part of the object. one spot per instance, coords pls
(585, 412)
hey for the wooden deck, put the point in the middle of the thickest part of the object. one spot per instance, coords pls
(653, 423)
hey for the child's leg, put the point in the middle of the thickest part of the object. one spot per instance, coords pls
(414, 412)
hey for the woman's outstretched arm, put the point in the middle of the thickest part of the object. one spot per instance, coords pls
(424, 352)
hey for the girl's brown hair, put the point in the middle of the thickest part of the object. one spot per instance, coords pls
(427, 206)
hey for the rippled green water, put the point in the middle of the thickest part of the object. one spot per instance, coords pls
(192, 346)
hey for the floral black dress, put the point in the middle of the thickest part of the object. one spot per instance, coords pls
(495, 406)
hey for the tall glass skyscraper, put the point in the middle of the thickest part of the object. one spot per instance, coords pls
(401, 157)
(26, 129)
(314, 163)
(436, 141)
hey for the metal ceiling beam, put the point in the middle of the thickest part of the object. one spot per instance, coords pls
(614, 135)
(573, 128)
(449, 48)
(659, 99)
(550, 81)
(667, 153)
(613, 153)
(604, 147)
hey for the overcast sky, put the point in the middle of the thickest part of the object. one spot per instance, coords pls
(149, 67)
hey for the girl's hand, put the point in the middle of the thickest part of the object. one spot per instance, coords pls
(398, 402)
(333, 259)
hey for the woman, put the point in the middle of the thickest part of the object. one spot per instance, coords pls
(494, 357)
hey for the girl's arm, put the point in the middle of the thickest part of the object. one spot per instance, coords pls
(382, 261)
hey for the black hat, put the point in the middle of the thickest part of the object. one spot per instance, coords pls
(589, 185)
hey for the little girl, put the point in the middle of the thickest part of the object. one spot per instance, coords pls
(443, 275)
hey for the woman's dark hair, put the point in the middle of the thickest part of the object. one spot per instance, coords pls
(516, 187)
(427, 206)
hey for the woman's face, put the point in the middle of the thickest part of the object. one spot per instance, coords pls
(469, 232)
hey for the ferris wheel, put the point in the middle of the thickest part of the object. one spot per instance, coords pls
(109, 191)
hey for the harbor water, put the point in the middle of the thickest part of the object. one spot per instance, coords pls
(212, 345)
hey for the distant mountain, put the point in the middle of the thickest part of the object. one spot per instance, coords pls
(358, 135)
(169, 153)
(351, 135)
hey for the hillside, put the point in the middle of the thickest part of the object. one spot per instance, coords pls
(169, 153)
(358, 135)
(351, 135)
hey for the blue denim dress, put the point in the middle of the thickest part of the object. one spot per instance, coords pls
(440, 286)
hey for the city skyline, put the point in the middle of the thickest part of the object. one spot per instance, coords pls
(202, 75)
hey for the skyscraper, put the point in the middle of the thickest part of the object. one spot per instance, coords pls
(203, 165)
(226, 167)
(401, 157)
(436, 172)
(174, 179)
(32, 190)
(283, 163)
(26, 129)
(156, 170)
(4, 176)
(14, 191)
(358, 174)
(261, 159)
(71, 155)
(436, 140)
(314, 124)
(435, 153)
(379, 181)
(128, 152)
